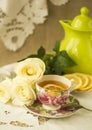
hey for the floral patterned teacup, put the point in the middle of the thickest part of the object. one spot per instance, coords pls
(53, 91)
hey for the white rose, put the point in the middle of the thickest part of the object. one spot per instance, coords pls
(22, 92)
(3, 74)
(5, 87)
(32, 68)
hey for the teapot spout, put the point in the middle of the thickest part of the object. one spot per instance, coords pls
(65, 22)
(61, 22)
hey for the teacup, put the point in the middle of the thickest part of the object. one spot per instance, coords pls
(53, 91)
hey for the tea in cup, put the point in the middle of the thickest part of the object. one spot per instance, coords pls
(53, 91)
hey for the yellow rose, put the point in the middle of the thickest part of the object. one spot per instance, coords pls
(5, 87)
(31, 68)
(22, 92)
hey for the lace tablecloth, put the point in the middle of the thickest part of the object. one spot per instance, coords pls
(20, 118)
(19, 17)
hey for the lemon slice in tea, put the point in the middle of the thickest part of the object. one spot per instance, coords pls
(53, 87)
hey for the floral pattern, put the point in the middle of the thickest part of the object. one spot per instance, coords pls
(38, 109)
(51, 100)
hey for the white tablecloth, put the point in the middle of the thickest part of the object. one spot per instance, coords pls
(19, 118)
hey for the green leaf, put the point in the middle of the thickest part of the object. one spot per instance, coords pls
(48, 60)
(66, 59)
(62, 61)
(32, 56)
(56, 47)
(55, 63)
(41, 52)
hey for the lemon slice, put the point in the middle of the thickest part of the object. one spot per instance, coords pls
(89, 85)
(53, 87)
(84, 78)
(90, 80)
(76, 80)
(85, 89)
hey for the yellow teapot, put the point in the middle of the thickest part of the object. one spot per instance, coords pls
(78, 41)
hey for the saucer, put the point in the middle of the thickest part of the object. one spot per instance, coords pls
(38, 109)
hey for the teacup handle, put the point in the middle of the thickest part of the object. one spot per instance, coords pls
(72, 88)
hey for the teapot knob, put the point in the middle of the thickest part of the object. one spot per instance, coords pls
(82, 22)
(84, 11)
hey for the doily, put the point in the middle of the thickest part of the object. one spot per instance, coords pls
(18, 19)
(59, 2)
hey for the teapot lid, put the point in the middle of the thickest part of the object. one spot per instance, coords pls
(82, 22)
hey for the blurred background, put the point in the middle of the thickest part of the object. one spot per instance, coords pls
(45, 34)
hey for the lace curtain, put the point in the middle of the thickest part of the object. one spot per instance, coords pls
(18, 19)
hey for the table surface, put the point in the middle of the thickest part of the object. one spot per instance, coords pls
(20, 118)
